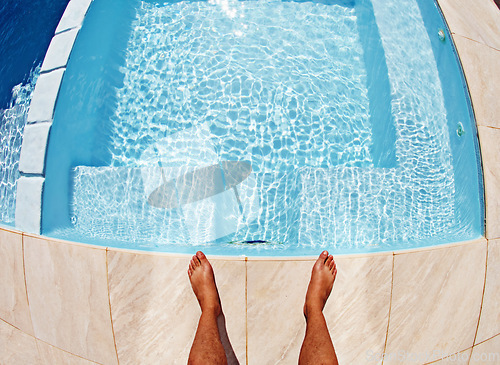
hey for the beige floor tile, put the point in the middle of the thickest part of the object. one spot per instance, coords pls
(155, 313)
(460, 358)
(50, 355)
(490, 150)
(357, 311)
(489, 322)
(486, 353)
(16, 347)
(478, 20)
(360, 311)
(481, 64)
(13, 300)
(436, 299)
(275, 298)
(67, 292)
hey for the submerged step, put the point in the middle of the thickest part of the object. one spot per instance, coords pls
(310, 206)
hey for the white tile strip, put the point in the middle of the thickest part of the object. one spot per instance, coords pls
(59, 49)
(45, 96)
(29, 203)
(32, 160)
(73, 15)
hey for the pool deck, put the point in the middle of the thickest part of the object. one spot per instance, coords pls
(72, 303)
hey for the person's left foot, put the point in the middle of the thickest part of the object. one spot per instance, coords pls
(320, 286)
(201, 276)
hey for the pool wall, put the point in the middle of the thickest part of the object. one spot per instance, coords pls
(65, 302)
(40, 116)
(91, 79)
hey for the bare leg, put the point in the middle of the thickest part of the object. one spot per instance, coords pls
(207, 346)
(317, 347)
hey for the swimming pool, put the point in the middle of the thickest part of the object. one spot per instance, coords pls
(354, 120)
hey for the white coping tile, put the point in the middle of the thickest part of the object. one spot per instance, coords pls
(35, 138)
(477, 20)
(490, 150)
(45, 96)
(58, 240)
(176, 255)
(68, 298)
(357, 311)
(73, 15)
(10, 230)
(480, 64)
(155, 313)
(477, 241)
(59, 50)
(436, 300)
(29, 203)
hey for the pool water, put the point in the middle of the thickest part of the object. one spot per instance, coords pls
(12, 122)
(26, 28)
(263, 128)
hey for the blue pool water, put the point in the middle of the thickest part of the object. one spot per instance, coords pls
(26, 28)
(346, 112)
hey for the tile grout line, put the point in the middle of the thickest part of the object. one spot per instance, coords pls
(28, 301)
(390, 308)
(447, 356)
(26, 285)
(482, 296)
(489, 126)
(47, 343)
(488, 339)
(109, 302)
(67, 352)
(469, 348)
(246, 311)
(475, 41)
(17, 328)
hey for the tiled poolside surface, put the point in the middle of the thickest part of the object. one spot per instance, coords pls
(67, 303)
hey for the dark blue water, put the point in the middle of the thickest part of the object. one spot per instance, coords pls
(26, 28)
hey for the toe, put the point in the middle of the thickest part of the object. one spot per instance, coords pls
(323, 256)
(329, 261)
(195, 261)
(201, 256)
(332, 263)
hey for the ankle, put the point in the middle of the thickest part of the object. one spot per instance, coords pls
(211, 309)
(311, 309)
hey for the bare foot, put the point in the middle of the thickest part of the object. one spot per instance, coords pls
(320, 286)
(202, 279)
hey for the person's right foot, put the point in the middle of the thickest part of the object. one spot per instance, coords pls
(320, 286)
(201, 276)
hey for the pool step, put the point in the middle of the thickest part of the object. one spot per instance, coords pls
(308, 206)
(138, 204)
